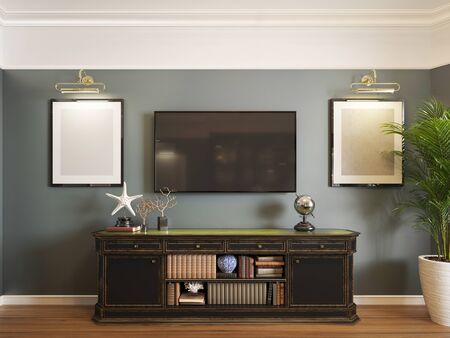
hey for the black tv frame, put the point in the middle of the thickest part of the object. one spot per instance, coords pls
(224, 111)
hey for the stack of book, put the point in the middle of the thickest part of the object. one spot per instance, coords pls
(237, 293)
(191, 266)
(275, 294)
(269, 266)
(190, 298)
(173, 293)
(124, 229)
(246, 267)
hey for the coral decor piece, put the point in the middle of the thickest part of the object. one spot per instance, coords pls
(167, 201)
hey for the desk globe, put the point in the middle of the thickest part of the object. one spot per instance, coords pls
(304, 205)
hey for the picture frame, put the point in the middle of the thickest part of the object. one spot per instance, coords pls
(86, 142)
(361, 154)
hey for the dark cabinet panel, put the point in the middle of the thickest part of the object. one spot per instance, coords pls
(318, 280)
(133, 280)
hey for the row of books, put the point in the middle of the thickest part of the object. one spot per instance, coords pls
(246, 267)
(191, 266)
(269, 266)
(237, 293)
(275, 294)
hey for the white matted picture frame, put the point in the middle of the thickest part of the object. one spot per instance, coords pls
(87, 142)
(361, 154)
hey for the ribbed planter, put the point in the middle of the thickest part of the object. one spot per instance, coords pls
(435, 281)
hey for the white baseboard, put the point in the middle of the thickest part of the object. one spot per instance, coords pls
(92, 299)
(48, 300)
(389, 300)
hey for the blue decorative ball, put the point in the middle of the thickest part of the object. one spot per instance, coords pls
(227, 263)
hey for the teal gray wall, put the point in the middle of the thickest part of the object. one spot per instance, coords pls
(48, 246)
(1, 181)
(440, 83)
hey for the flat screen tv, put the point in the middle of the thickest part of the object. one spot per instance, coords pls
(225, 151)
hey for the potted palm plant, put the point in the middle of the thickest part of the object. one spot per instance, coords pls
(427, 156)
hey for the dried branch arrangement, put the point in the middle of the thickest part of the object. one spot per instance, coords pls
(144, 208)
(165, 201)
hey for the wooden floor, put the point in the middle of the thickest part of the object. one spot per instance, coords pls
(75, 321)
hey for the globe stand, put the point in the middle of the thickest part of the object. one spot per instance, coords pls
(304, 225)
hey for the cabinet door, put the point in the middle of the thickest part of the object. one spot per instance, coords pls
(318, 280)
(133, 280)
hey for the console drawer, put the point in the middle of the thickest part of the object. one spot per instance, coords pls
(257, 246)
(128, 245)
(307, 245)
(193, 245)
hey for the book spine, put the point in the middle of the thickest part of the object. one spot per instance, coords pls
(213, 266)
(252, 267)
(269, 293)
(194, 266)
(245, 266)
(210, 293)
(264, 293)
(222, 293)
(274, 294)
(178, 266)
(169, 266)
(282, 294)
(183, 266)
(239, 266)
(177, 293)
(239, 293)
(170, 294)
(189, 266)
(208, 267)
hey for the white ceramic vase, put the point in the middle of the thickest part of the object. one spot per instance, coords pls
(435, 281)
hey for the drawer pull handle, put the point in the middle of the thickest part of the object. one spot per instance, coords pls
(153, 261)
(297, 261)
(136, 246)
(259, 246)
(197, 246)
(321, 246)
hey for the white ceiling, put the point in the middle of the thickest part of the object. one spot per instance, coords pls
(224, 34)
(150, 5)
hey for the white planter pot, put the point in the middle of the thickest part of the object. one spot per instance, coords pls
(435, 281)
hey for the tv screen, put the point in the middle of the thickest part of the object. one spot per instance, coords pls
(225, 151)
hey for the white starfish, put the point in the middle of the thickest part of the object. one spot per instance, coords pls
(124, 200)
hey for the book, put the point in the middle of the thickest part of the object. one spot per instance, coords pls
(169, 266)
(183, 266)
(251, 271)
(268, 264)
(275, 294)
(177, 294)
(194, 266)
(272, 275)
(214, 266)
(189, 266)
(264, 271)
(270, 259)
(171, 294)
(190, 298)
(124, 229)
(203, 266)
(208, 267)
(269, 293)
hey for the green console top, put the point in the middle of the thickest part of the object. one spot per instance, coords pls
(231, 232)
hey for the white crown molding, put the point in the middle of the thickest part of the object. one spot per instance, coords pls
(230, 18)
(92, 299)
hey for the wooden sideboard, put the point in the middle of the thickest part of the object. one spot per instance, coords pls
(317, 276)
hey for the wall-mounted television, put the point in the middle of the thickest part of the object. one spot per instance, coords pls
(221, 151)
